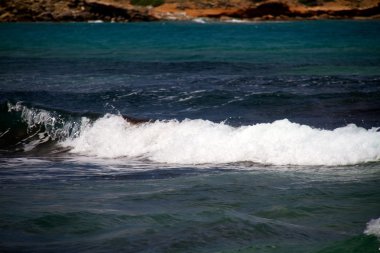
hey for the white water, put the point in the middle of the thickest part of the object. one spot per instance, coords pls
(200, 141)
(373, 228)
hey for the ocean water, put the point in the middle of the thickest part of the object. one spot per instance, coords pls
(256, 137)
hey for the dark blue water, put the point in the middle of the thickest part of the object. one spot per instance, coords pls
(258, 137)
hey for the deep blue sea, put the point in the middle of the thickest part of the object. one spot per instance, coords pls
(188, 137)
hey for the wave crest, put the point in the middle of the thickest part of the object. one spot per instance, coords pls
(37, 126)
(200, 141)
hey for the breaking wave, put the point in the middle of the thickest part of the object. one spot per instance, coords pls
(25, 129)
(201, 141)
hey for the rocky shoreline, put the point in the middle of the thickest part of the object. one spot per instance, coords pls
(156, 10)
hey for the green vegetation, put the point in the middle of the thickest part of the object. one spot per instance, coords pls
(153, 3)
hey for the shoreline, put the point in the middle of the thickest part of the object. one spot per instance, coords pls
(195, 21)
(111, 11)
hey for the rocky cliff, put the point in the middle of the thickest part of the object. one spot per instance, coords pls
(152, 10)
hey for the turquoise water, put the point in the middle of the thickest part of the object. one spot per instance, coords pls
(260, 137)
(322, 43)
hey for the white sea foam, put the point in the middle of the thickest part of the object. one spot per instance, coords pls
(200, 20)
(98, 21)
(200, 141)
(234, 20)
(373, 228)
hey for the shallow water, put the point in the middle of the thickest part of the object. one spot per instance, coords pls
(262, 137)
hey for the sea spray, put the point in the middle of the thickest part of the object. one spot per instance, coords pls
(201, 141)
(373, 228)
(43, 125)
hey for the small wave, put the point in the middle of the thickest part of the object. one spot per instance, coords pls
(200, 20)
(98, 21)
(373, 228)
(200, 141)
(31, 127)
(238, 21)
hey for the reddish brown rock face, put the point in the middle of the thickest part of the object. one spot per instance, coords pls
(125, 10)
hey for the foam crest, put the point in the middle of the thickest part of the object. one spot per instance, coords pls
(200, 141)
(33, 117)
(373, 228)
(43, 125)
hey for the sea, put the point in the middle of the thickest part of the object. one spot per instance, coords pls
(190, 137)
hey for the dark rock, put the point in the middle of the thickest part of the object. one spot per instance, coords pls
(358, 12)
(264, 10)
(102, 10)
(112, 12)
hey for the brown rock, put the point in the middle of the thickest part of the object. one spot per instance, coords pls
(122, 10)
(45, 16)
(6, 17)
